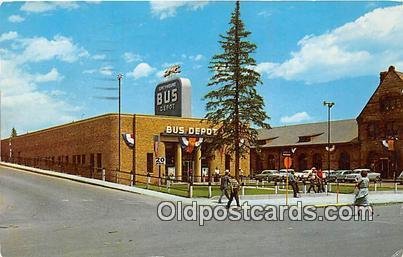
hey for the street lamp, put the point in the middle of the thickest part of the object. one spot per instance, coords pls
(328, 149)
(120, 76)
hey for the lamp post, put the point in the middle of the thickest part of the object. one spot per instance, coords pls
(328, 149)
(120, 76)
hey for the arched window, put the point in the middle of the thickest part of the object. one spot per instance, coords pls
(271, 161)
(302, 162)
(344, 161)
(317, 161)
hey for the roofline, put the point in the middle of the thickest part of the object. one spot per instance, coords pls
(390, 69)
(127, 115)
(302, 124)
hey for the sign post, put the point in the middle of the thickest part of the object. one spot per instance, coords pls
(287, 165)
(159, 161)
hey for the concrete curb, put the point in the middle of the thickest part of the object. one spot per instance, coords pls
(97, 182)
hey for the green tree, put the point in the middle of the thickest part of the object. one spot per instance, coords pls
(13, 132)
(234, 104)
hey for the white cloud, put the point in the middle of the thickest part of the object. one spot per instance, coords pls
(16, 18)
(363, 47)
(22, 97)
(52, 75)
(99, 57)
(62, 48)
(91, 71)
(106, 70)
(131, 57)
(8, 36)
(296, 118)
(166, 9)
(39, 7)
(141, 70)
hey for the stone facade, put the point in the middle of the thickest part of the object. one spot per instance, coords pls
(382, 119)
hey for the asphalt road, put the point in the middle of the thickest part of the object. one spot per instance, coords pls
(49, 217)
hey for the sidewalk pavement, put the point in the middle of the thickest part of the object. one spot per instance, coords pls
(318, 200)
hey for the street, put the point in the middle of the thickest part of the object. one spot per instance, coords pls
(43, 216)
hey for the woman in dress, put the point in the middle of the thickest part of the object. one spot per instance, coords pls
(361, 197)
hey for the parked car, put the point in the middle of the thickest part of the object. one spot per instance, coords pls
(400, 178)
(341, 175)
(333, 175)
(283, 173)
(267, 175)
(303, 174)
(356, 175)
(326, 173)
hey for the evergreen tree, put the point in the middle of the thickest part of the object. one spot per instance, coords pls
(13, 132)
(234, 104)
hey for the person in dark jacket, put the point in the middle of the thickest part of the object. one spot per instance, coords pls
(293, 183)
(224, 186)
(234, 192)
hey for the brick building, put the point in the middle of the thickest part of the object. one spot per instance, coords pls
(370, 141)
(94, 143)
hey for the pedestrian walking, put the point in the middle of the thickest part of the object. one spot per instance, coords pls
(361, 196)
(293, 183)
(312, 180)
(321, 188)
(234, 192)
(224, 186)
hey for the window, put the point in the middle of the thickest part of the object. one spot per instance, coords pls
(372, 131)
(79, 159)
(344, 161)
(389, 103)
(228, 162)
(391, 130)
(304, 139)
(99, 160)
(150, 162)
(83, 159)
(67, 159)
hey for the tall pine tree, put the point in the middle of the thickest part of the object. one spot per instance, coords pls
(234, 104)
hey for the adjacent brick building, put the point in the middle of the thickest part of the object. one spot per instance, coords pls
(370, 141)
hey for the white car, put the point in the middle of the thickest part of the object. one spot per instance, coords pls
(303, 174)
(356, 175)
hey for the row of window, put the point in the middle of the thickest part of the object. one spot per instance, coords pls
(381, 131)
(388, 104)
(79, 159)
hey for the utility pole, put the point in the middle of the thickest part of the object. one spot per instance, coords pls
(329, 106)
(120, 76)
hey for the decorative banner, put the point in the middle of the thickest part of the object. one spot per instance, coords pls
(331, 149)
(156, 144)
(389, 143)
(129, 139)
(189, 143)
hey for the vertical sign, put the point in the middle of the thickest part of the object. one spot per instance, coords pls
(172, 98)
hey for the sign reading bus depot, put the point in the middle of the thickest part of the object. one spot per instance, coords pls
(172, 98)
(177, 130)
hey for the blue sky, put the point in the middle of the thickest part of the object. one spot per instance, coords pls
(55, 56)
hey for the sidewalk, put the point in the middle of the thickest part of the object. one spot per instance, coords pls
(319, 200)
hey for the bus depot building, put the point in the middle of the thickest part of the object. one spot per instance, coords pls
(93, 144)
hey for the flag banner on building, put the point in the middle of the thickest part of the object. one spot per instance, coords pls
(189, 143)
(331, 149)
(129, 139)
(389, 143)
